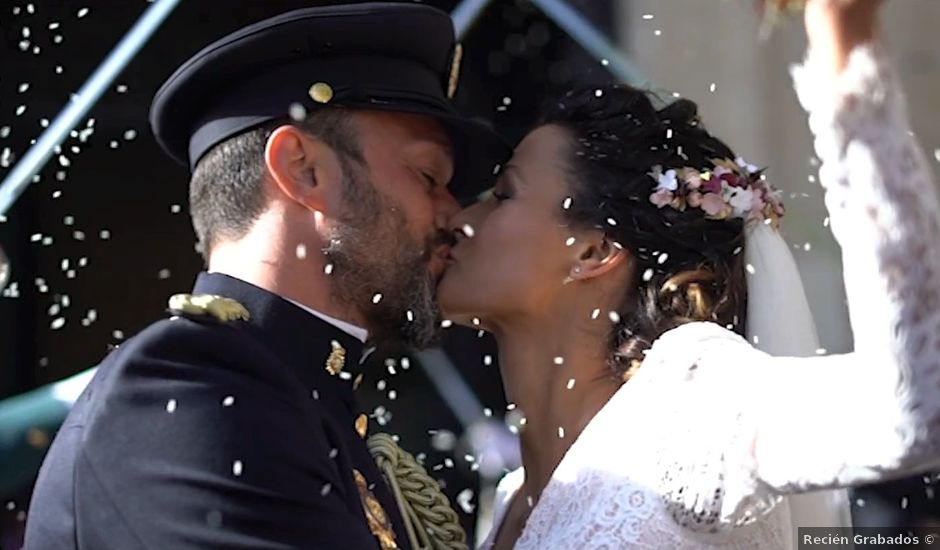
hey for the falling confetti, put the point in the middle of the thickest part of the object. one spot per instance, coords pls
(171, 406)
(228, 401)
(468, 230)
(570, 241)
(327, 487)
(82, 12)
(570, 384)
(596, 313)
(559, 360)
(377, 298)
(464, 500)
(237, 467)
(301, 251)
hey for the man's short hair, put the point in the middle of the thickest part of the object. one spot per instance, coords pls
(226, 190)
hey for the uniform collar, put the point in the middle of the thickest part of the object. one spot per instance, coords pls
(356, 332)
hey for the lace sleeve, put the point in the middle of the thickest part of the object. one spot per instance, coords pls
(791, 425)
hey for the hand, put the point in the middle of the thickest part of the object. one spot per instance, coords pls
(835, 27)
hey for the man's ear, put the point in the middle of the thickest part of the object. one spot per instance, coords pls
(303, 168)
(597, 257)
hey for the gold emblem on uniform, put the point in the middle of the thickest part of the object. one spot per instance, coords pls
(337, 359)
(321, 92)
(379, 523)
(362, 425)
(221, 309)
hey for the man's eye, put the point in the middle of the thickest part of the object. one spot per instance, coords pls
(432, 183)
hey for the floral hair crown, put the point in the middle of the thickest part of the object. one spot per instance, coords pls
(732, 189)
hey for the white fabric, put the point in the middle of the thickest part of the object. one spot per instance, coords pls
(700, 448)
(358, 333)
(776, 299)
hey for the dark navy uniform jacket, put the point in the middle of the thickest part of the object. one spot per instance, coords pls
(199, 434)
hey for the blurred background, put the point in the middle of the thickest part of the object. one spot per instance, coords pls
(102, 238)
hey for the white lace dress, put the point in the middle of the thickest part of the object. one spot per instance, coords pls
(699, 448)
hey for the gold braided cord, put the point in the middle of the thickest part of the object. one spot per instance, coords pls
(430, 521)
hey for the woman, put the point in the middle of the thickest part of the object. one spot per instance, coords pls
(617, 265)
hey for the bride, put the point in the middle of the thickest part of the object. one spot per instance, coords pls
(648, 314)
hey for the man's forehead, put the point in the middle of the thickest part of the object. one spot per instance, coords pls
(407, 129)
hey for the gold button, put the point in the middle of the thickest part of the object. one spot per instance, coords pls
(362, 424)
(321, 92)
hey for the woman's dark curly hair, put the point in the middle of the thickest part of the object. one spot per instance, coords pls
(686, 267)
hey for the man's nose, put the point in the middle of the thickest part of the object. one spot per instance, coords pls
(446, 207)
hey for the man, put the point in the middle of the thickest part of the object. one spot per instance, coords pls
(321, 144)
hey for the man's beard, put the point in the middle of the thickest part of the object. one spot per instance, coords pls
(372, 254)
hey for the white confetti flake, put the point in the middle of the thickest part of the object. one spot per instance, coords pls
(648, 275)
(647, 16)
(301, 251)
(377, 298)
(468, 230)
(327, 487)
(171, 406)
(54, 25)
(447, 323)
(510, 406)
(20, 110)
(750, 269)
(23, 88)
(570, 241)
(4, 132)
(113, 144)
(598, 92)
(663, 258)
(904, 502)
(175, 209)
(328, 269)
(393, 395)
(59, 69)
(570, 384)
(118, 334)
(614, 317)
(82, 12)
(487, 360)
(57, 39)
(475, 321)
(410, 316)
(6, 157)
(163, 274)
(567, 204)
(464, 500)
(605, 62)
(658, 32)
(507, 101)
(130, 134)
(405, 363)
(487, 412)
(11, 506)
(297, 112)
(315, 394)
(612, 222)
(105, 234)
(559, 360)
(64, 161)
(237, 467)
(712, 87)
(596, 313)
(821, 351)
(807, 247)
(58, 323)
(561, 432)
(121, 88)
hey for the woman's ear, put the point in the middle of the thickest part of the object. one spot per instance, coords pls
(598, 257)
(304, 169)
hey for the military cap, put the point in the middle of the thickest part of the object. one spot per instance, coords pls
(384, 55)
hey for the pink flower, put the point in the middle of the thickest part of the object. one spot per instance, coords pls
(711, 185)
(714, 205)
(694, 199)
(692, 178)
(661, 198)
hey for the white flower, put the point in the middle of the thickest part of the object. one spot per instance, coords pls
(667, 181)
(750, 168)
(741, 201)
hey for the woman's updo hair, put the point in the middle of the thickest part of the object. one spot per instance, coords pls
(686, 267)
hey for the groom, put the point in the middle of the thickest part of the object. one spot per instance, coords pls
(325, 157)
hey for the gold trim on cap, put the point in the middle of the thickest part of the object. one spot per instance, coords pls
(454, 71)
(321, 92)
(362, 425)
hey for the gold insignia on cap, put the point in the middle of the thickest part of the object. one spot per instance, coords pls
(379, 522)
(337, 359)
(362, 425)
(454, 71)
(321, 92)
(219, 308)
